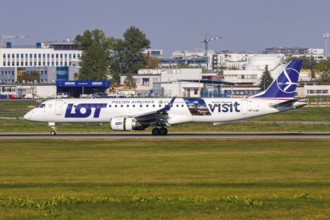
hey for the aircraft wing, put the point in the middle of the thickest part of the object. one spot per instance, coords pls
(159, 115)
(294, 102)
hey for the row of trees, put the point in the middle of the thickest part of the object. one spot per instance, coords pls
(321, 68)
(104, 56)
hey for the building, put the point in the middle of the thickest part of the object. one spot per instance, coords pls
(170, 82)
(316, 53)
(53, 61)
(253, 69)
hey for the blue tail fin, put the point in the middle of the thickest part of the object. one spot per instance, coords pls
(286, 83)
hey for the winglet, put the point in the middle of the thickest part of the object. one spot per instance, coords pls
(167, 107)
(286, 83)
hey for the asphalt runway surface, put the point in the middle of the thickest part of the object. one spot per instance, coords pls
(180, 135)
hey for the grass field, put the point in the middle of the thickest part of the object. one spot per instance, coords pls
(165, 179)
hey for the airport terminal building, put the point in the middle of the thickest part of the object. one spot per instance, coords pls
(53, 61)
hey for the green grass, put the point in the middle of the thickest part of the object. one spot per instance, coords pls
(17, 105)
(165, 179)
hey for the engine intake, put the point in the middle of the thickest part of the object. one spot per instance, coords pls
(124, 124)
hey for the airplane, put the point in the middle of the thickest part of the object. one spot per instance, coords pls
(125, 114)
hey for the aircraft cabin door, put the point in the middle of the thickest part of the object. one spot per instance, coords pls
(245, 106)
(59, 107)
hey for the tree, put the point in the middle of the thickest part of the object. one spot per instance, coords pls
(152, 62)
(266, 79)
(128, 53)
(130, 81)
(307, 63)
(28, 76)
(95, 59)
(323, 69)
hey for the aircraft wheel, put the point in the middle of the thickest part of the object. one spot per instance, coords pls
(156, 131)
(53, 133)
(163, 131)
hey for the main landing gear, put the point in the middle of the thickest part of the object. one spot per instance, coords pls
(52, 126)
(159, 131)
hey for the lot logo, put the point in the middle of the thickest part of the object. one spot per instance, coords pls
(84, 110)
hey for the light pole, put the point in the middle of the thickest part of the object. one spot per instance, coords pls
(326, 37)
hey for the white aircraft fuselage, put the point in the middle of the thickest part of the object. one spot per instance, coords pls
(140, 113)
(183, 110)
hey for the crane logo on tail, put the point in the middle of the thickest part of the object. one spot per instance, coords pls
(284, 82)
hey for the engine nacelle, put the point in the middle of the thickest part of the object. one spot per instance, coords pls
(123, 124)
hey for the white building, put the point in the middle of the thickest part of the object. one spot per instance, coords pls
(51, 63)
(254, 68)
(166, 82)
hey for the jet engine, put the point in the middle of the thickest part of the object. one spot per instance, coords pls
(125, 124)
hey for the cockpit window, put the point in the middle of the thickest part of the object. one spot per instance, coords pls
(42, 105)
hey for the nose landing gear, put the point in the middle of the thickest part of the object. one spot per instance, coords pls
(52, 126)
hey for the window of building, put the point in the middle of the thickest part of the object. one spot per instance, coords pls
(145, 81)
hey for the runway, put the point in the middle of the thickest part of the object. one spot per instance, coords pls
(179, 135)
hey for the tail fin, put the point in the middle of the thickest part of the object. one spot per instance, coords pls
(286, 83)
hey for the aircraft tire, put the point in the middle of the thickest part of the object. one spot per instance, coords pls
(53, 133)
(163, 131)
(155, 131)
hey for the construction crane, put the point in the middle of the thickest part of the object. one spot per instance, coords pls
(206, 43)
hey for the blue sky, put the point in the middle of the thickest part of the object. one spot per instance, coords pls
(245, 25)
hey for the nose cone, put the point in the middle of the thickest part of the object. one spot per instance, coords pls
(28, 116)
